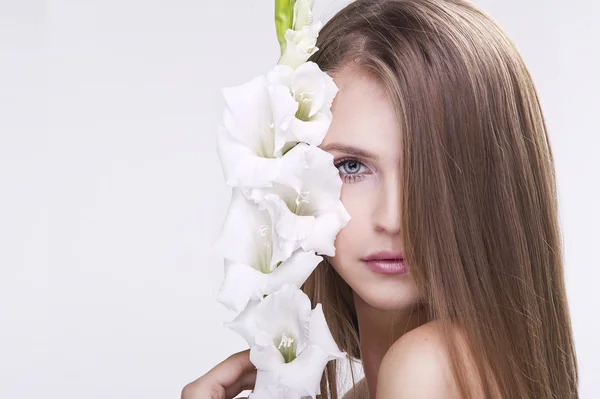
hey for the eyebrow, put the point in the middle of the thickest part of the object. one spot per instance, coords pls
(349, 150)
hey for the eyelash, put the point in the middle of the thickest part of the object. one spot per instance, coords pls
(351, 178)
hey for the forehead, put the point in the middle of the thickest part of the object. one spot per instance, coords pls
(363, 115)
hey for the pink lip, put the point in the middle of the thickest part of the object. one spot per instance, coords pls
(386, 262)
(385, 255)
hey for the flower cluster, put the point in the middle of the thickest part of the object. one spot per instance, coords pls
(285, 210)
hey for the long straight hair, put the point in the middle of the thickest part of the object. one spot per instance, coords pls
(479, 209)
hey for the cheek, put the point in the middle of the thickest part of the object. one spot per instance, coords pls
(351, 240)
(357, 199)
(344, 244)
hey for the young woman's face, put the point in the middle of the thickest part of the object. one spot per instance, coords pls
(365, 142)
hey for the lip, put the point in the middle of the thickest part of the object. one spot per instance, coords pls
(386, 262)
(384, 255)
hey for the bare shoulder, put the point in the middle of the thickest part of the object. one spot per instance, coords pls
(417, 365)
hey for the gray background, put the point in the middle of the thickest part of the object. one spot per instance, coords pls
(111, 193)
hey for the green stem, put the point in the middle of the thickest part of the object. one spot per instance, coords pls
(284, 19)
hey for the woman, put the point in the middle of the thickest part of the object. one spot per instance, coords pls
(448, 280)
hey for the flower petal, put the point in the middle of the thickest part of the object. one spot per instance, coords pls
(303, 14)
(245, 323)
(300, 45)
(281, 75)
(246, 170)
(284, 112)
(328, 224)
(311, 132)
(289, 225)
(298, 379)
(241, 166)
(309, 82)
(320, 335)
(248, 115)
(303, 374)
(267, 387)
(309, 78)
(246, 235)
(241, 283)
(294, 271)
(293, 167)
(287, 310)
(321, 179)
(267, 358)
(283, 249)
(319, 186)
(311, 219)
(290, 229)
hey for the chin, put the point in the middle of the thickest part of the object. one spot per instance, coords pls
(379, 291)
(384, 292)
(388, 295)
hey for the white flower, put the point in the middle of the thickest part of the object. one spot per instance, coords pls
(311, 217)
(266, 117)
(303, 15)
(256, 117)
(301, 44)
(251, 271)
(313, 91)
(290, 343)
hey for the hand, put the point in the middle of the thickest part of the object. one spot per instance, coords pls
(224, 381)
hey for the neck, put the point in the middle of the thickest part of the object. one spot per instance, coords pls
(379, 329)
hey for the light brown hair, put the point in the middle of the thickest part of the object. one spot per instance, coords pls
(480, 227)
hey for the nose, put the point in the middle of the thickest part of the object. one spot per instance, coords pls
(386, 215)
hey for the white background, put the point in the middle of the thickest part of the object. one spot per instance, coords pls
(111, 193)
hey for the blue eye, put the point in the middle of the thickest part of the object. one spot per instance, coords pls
(351, 170)
(349, 166)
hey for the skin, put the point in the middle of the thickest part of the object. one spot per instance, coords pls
(394, 333)
(365, 142)
(226, 380)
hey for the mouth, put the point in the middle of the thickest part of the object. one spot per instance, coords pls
(386, 262)
(385, 255)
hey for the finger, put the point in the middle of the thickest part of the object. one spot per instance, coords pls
(230, 370)
(245, 382)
